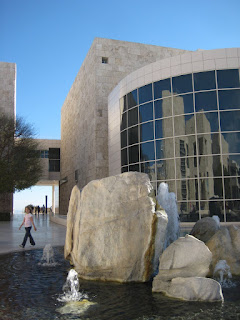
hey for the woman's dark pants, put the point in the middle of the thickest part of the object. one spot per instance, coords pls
(28, 234)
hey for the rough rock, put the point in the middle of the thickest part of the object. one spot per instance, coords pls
(113, 231)
(191, 289)
(185, 257)
(205, 228)
(225, 245)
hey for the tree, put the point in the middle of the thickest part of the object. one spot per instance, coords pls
(20, 166)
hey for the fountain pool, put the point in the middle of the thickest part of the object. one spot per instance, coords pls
(31, 291)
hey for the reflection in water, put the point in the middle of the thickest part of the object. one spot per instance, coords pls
(30, 291)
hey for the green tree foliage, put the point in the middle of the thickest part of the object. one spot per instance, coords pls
(20, 166)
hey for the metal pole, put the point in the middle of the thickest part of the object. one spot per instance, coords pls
(46, 203)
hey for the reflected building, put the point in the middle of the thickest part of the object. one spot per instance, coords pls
(183, 129)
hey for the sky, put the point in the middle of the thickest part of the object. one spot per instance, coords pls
(49, 39)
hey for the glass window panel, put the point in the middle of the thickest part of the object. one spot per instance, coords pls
(231, 165)
(204, 81)
(123, 139)
(124, 121)
(232, 209)
(163, 128)
(162, 89)
(164, 149)
(146, 112)
(165, 169)
(124, 169)
(133, 117)
(209, 166)
(208, 144)
(187, 189)
(133, 153)
(205, 101)
(211, 188)
(163, 108)
(134, 167)
(124, 159)
(232, 188)
(54, 153)
(185, 167)
(182, 84)
(184, 125)
(147, 151)
(149, 168)
(185, 146)
(54, 165)
(133, 135)
(231, 142)
(188, 212)
(124, 103)
(146, 131)
(207, 122)
(214, 208)
(132, 99)
(145, 93)
(230, 120)
(229, 99)
(228, 78)
(183, 104)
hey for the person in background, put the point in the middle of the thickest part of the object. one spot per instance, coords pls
(28, 223)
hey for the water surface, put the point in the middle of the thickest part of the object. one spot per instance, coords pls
(29, 290)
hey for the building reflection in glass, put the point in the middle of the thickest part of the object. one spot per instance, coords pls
(188, 136)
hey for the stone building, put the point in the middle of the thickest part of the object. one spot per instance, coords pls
(7, 106)
(84, 115)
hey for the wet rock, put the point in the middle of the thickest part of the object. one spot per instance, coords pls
(191, 289)
(113, 230)
(185, 257)
(205, 228)
(225, 245)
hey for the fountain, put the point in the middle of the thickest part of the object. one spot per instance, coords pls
(76, 301)
(29, 291)
(48, 256)
(223, 274)
(167, 201)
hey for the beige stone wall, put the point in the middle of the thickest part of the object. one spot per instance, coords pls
(84, 118)
(8, 88)
(7, 106)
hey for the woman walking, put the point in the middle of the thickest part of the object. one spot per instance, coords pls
(28, 222)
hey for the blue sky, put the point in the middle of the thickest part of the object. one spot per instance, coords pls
(49, 39)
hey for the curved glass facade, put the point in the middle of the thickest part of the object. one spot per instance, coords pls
(185, 131)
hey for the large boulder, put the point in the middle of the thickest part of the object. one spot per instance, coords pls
(225, 245)
(205, 228)
(191, 289)
(185, 257)
(113, 230)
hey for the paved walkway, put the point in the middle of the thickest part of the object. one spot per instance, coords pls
(47, 232)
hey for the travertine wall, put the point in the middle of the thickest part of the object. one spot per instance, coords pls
(84, 118)
(7, 106)
(8, 88)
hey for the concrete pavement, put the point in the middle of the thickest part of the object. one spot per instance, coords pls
(47, 232)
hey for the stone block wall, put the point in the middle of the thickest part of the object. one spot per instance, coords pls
(84, 115)
(7, 106)
(8, 88)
